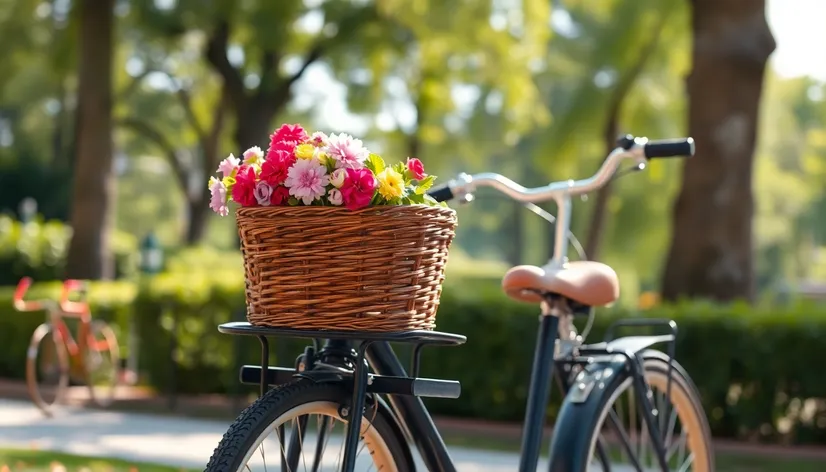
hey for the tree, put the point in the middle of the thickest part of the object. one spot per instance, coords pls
(711, 249)
(93, 187)
(203, 157)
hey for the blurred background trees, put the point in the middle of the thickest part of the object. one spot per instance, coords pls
(115, 128)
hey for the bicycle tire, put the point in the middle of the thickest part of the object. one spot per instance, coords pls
(241, 437)
(46, 331)
(683, 391)
(98, 326)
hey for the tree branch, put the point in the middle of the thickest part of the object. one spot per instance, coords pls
(282, 91)
(216, 54)
(153, 134)
(211, 141)
(133, 85)
(186, 103)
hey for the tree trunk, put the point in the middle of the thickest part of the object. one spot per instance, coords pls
(254, 125)
(711, 247)
(198, 210)
(91, 213)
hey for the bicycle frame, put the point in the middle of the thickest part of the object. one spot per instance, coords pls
(414, 418)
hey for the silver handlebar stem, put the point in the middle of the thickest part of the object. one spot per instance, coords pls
(561, 192)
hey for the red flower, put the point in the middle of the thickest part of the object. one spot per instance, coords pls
(275, 167)
(287, 146)
(416, 168)
(243, 192)
(358, 188)
(291, 134)
(280, 195)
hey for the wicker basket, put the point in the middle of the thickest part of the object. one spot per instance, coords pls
(328, 268)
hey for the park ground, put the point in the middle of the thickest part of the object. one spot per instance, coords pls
(139, 432)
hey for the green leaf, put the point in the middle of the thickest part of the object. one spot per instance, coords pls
(425, 184)
(293, 201)
(432, 201)
(375, 163)
(416, 197)
(399, 167)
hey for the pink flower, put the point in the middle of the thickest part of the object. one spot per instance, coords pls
(334, 195)
(358, 188)
(243, 192)
(218, 198)
(346, 150)
(416, 169)
(253, 155)
(274, 169)
(280, 196)
(318, 139)
(289, 134)
(307, 180)
(228, 165)
(263, 193)
(287, 146)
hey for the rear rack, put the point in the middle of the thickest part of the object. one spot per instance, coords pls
(358, 379)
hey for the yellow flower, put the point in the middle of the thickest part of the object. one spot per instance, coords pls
(228, 182)
(304, 151)
(321, 156)
(391, 184)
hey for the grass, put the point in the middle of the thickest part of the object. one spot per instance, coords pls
(14, 460)
(725, 461)
(23, 460)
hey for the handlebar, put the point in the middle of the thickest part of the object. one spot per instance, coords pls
(65, 304)
(20, 292)
(639, 149)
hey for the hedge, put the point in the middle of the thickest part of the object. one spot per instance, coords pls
(756, 368)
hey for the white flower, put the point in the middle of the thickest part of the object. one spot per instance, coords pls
(334, 195)
(253, 155)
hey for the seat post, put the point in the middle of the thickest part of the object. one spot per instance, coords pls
(563, 227)
(540, 387)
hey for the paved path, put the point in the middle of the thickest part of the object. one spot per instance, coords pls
(153, 438)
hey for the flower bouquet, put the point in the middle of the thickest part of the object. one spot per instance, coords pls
(333, 238)
(321, 170)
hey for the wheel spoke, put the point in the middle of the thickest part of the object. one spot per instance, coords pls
(689, 460)
(323, 437)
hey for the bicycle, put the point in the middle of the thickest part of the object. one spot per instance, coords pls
(54, 355)
(383, 410)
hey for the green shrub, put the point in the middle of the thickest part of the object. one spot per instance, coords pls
(752, 366)
(38, 249)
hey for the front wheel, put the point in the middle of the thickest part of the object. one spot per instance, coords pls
(47, 368)
(271, 434)
(621, 436)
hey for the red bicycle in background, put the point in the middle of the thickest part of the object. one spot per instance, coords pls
(55, 357)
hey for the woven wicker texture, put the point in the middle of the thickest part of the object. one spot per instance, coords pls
(376, 269)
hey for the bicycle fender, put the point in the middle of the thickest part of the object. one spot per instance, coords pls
(571, 441)
(630, 344)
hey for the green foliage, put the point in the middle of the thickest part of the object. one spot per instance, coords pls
(749, 364)
(38, 249)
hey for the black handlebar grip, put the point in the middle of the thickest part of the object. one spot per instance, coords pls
(682, 147)
(442, 193)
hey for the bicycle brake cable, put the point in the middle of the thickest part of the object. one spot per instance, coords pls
(552, 220)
